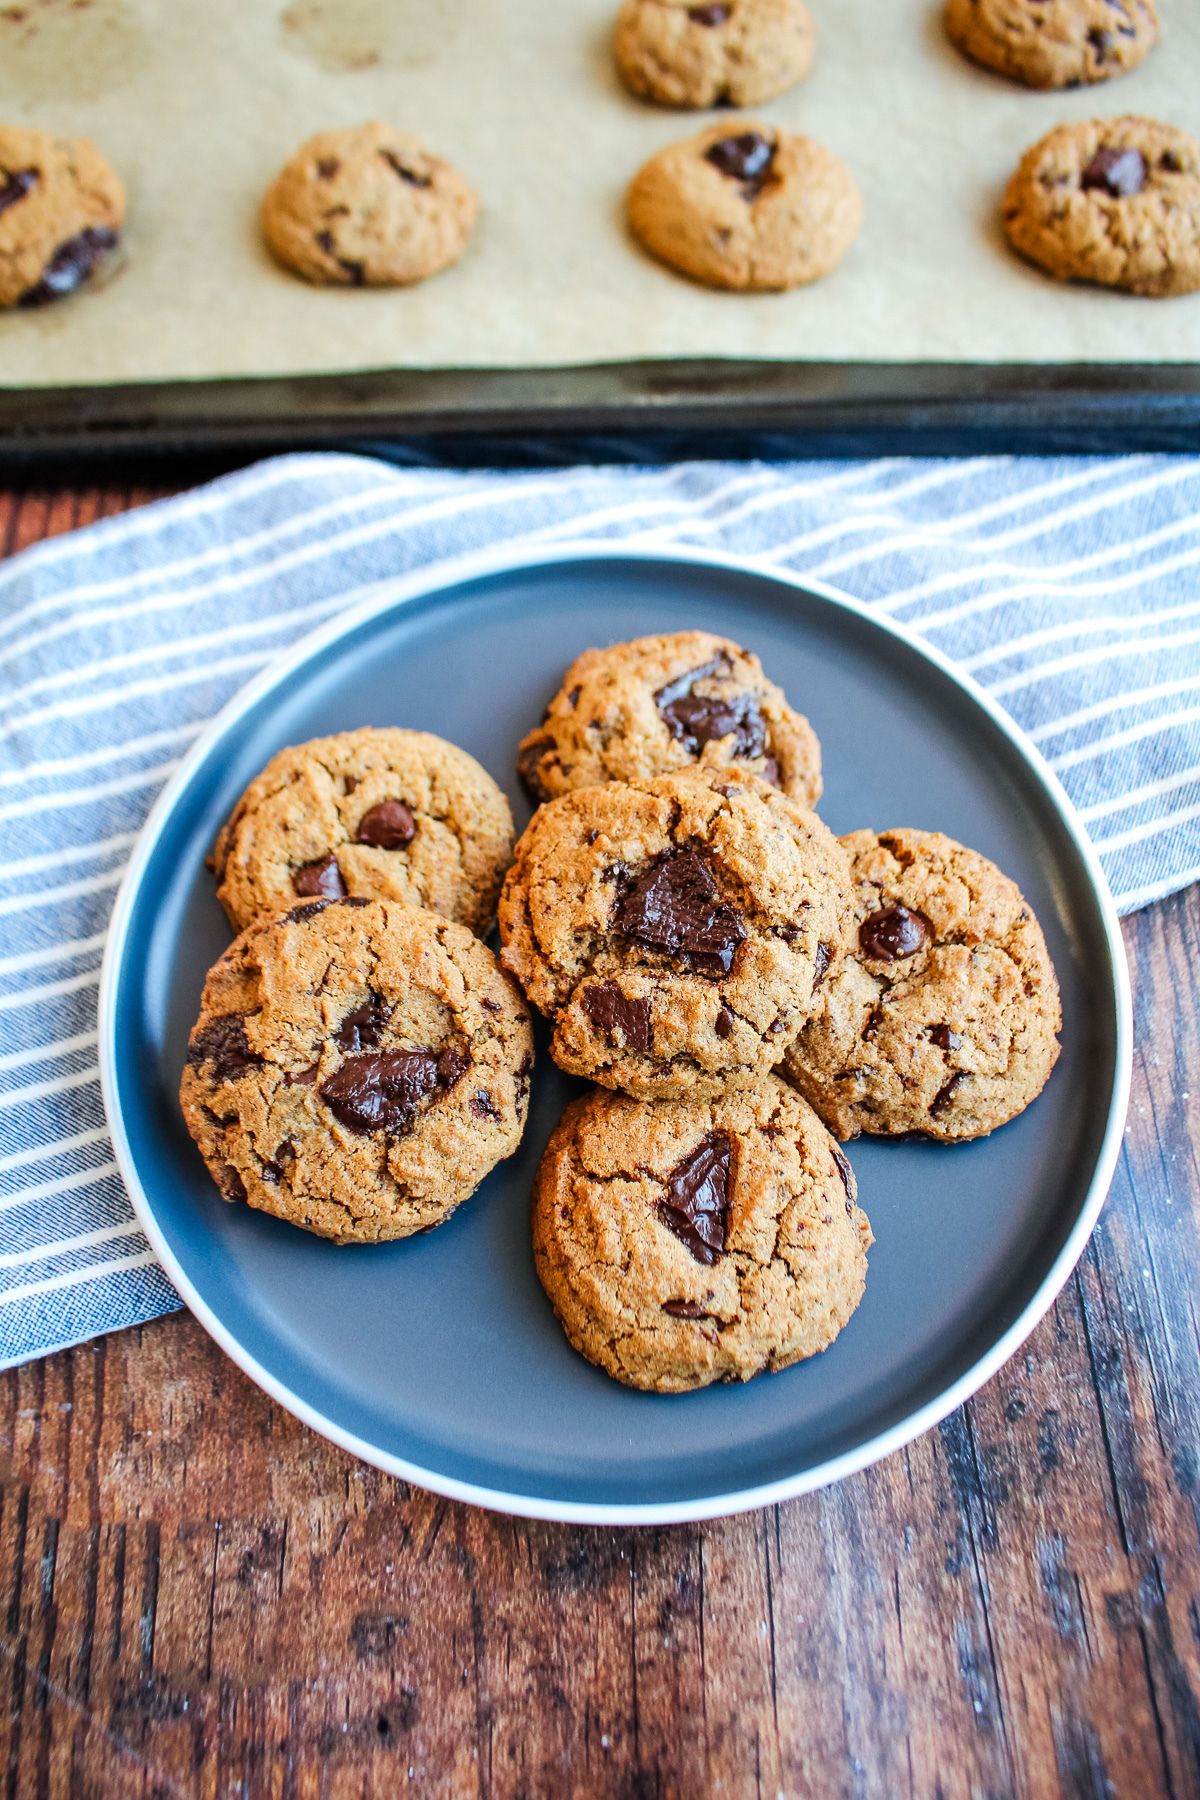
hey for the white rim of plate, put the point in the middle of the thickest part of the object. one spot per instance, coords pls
(423, 585)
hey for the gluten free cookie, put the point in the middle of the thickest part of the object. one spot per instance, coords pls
(357, 1068)
(368, 207)
(683, 1242)
(61, 212)
(640, 709)
(943, 1017)
(733, 53)
(677, 931)
(1054, 43)
(743, 205)
(385, 814)
(1113, 201)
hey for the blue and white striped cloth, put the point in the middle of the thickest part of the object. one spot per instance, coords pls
(1069, 587)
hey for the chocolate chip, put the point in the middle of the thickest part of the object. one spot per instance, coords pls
(945, 1095)
(71, 265)
(303, 1077)
(323, 877)
(847, 1175)
(611, 1010)
(1101, 42)
(592, 835)
(529, 759)
(770, 772)
(388, 826)
(699, 719)
(893, 933)
(674, 906)
(481, 1105)
(944, 1038)
(327, 167)
(723, 1023)
(573, 696)
(277, 1168)
(381, 1092)
(821, 964)
(404, 172)
(746, 158)
(230, 1183)
(300, 913)
(355, 270)
(684, 1309)
(708, 15)
(1116, 172)
(696, 1208)
(363, 1028)
(16, 185)
(492, 1006)
(222, 1042)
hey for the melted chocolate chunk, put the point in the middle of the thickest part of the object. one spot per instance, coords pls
(300, 913)
(404, 172)
(684, 1309)
(944, 1038)
(71, 265)
(945, 1095)
(223, 1044)
(16, 185)
(1116, 172)
(674, 906)
(381, 1092)
(482, 1105)
(323, 878)
(529, 769)
(708, 15)
(277, 1168)
(363, 1028)
(723, 1023)
(821, 964)
(893, 933)
(746, 158)
(611, 1010)
(303, 1077)
(847, 1175)
(388, 826)
(697, 719)
(231, 1184)
(696, 1207)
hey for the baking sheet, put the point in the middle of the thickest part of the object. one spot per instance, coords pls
(197, 102)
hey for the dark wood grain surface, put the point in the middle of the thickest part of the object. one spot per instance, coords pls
(199, 1597)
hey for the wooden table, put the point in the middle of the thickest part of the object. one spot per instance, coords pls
(198, 1596)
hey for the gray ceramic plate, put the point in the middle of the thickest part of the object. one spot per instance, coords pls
(439, 1359)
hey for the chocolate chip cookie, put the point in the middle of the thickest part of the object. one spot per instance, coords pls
(357, 1068)
(1054, 43)
(1114, 201)
(734, 53)
(943, 1017)
(389, 814)
(368, 207)
(683, 1242)
(61, 212)
(742, 205)
(677, 931)
(640, 709)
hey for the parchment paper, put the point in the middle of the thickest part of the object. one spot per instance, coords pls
(197, 102)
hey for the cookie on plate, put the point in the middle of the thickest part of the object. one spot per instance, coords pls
(677, 931)
(61, 212)
(357, 1068)
(1114, 201)
(388, 814)
(640, 709)
(683, 1242)
(943, 1017)
(734, 53)
(1057, 43)
(368, 207)
(743, 205)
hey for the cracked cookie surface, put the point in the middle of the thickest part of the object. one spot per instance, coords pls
(683, 1242)
(733, 53)
(388, 813)
(943, 1016)
(634, 710)
(743, 205)
(357, 1068)
(1054, 43)
(368, 207)
(1113, 201)
(677, 931)
(61, 212)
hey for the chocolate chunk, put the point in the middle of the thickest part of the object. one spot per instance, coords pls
(71, 265)
(696, 1208)
(708, 15)
(355, 270)
(16, 185)
(363, 1028)
(697, 719)
(723, 1023)
(223, 1043)
(1116, 172)
(230, 1183)
(388, 826)
(674, 906)
(770, 772)
(529, 759)
(482, 1105)
(573, 696)
(381, 1092)
(327, 167)
(847, 1175)
(277, 1168)
(893, 933)
(323, 877)
(611, 1010)
(300, 913)
(404, 172)
(821, 964)
(944, 1038)
(684, 1309)
(746, 158)
(303, 1077)
(945, 1095)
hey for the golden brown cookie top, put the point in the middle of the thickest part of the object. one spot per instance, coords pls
(61, 212)
(384, 813)
(631, 711)
(683, 1242)
(943, 1015)
(1057, 43)
(700, 53)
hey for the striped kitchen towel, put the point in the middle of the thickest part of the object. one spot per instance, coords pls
(1070, 588)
